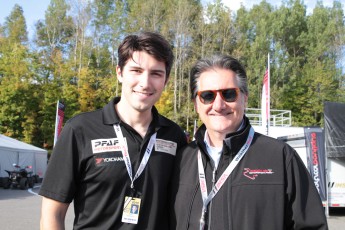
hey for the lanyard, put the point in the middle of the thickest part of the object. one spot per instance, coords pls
(125, 155)
(206, 199)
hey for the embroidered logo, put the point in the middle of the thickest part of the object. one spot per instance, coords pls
(254, 173)
(105, 145)
(107, 160)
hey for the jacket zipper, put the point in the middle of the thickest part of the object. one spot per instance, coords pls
(210, 205)
(191, 205)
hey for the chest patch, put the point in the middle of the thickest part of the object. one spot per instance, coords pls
(165, 146)
(254, 173)
(105, 145)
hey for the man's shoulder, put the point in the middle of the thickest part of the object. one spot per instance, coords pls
(86, 117)
(164, 121)
(261, 138)
(272, 145)
(188, 151)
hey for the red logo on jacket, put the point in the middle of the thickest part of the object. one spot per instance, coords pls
(253, 173)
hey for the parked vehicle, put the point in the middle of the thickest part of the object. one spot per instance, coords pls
(335, 168)
(19, 177)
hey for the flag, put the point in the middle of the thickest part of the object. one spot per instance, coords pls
(315, 147)
(60, 113)
(265, 101)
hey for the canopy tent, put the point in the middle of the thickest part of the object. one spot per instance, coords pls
(16, 152)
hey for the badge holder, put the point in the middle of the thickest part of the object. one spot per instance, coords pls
(131, 209)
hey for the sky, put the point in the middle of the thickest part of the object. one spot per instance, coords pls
(35, 9)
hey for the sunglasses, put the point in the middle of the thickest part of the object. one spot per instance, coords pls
(228, 95)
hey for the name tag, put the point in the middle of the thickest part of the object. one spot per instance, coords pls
(131, 210)
(166, 146)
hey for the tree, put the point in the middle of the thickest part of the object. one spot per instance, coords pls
(253, 42)
(15, 26)
(74, 55)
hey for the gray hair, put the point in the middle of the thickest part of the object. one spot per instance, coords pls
(222, 62)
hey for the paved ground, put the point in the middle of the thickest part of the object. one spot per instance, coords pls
(20, 210)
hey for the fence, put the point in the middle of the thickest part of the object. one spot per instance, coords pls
(280, 118)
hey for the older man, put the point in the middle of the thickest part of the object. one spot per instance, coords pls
(231, 177)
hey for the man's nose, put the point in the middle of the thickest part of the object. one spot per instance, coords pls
(218, 104)
(144, 79)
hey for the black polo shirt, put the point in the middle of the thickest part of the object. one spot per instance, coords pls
(86, 168)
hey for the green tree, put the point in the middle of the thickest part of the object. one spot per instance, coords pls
(15, 26)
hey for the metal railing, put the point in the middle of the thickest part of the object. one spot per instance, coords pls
(278, 117)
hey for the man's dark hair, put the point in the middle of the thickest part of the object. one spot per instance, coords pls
(150, 42)
(221, 62)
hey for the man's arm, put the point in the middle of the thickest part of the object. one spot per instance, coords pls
(53, 214)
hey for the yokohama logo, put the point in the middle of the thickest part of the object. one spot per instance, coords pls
(108, 159)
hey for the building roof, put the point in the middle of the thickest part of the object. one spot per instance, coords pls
(10, 143)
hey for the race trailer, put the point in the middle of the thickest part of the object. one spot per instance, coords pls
(334, 170)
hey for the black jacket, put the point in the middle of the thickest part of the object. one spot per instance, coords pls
(270, 188)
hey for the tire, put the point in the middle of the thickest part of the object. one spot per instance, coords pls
(6, 183)
(23, 183)
(31, 181)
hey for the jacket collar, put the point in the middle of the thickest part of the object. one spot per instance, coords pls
(232, 142)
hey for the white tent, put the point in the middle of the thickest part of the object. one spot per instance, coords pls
(16, 152)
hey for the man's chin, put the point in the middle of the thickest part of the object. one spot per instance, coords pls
(143, 107)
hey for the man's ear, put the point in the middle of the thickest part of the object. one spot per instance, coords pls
(119, 73)
(245, 101)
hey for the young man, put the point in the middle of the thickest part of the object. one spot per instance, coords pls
(107, 160)
(231, 177)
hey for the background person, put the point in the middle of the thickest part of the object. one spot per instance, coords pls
(259, 182)
(107, 158)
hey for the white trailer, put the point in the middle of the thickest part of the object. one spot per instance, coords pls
(334, 135)
(335, 170)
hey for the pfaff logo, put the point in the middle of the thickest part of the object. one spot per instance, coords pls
(105, 145)
(254, 173)
(108, 142)
(107, 159)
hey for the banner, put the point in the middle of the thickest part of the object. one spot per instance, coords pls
(265, 101)
(60, 113)
(315, 148)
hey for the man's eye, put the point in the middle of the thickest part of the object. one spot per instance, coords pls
(157, 74)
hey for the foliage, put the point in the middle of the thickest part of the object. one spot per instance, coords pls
(73, 57)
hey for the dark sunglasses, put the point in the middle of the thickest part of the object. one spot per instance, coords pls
(228, 95)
